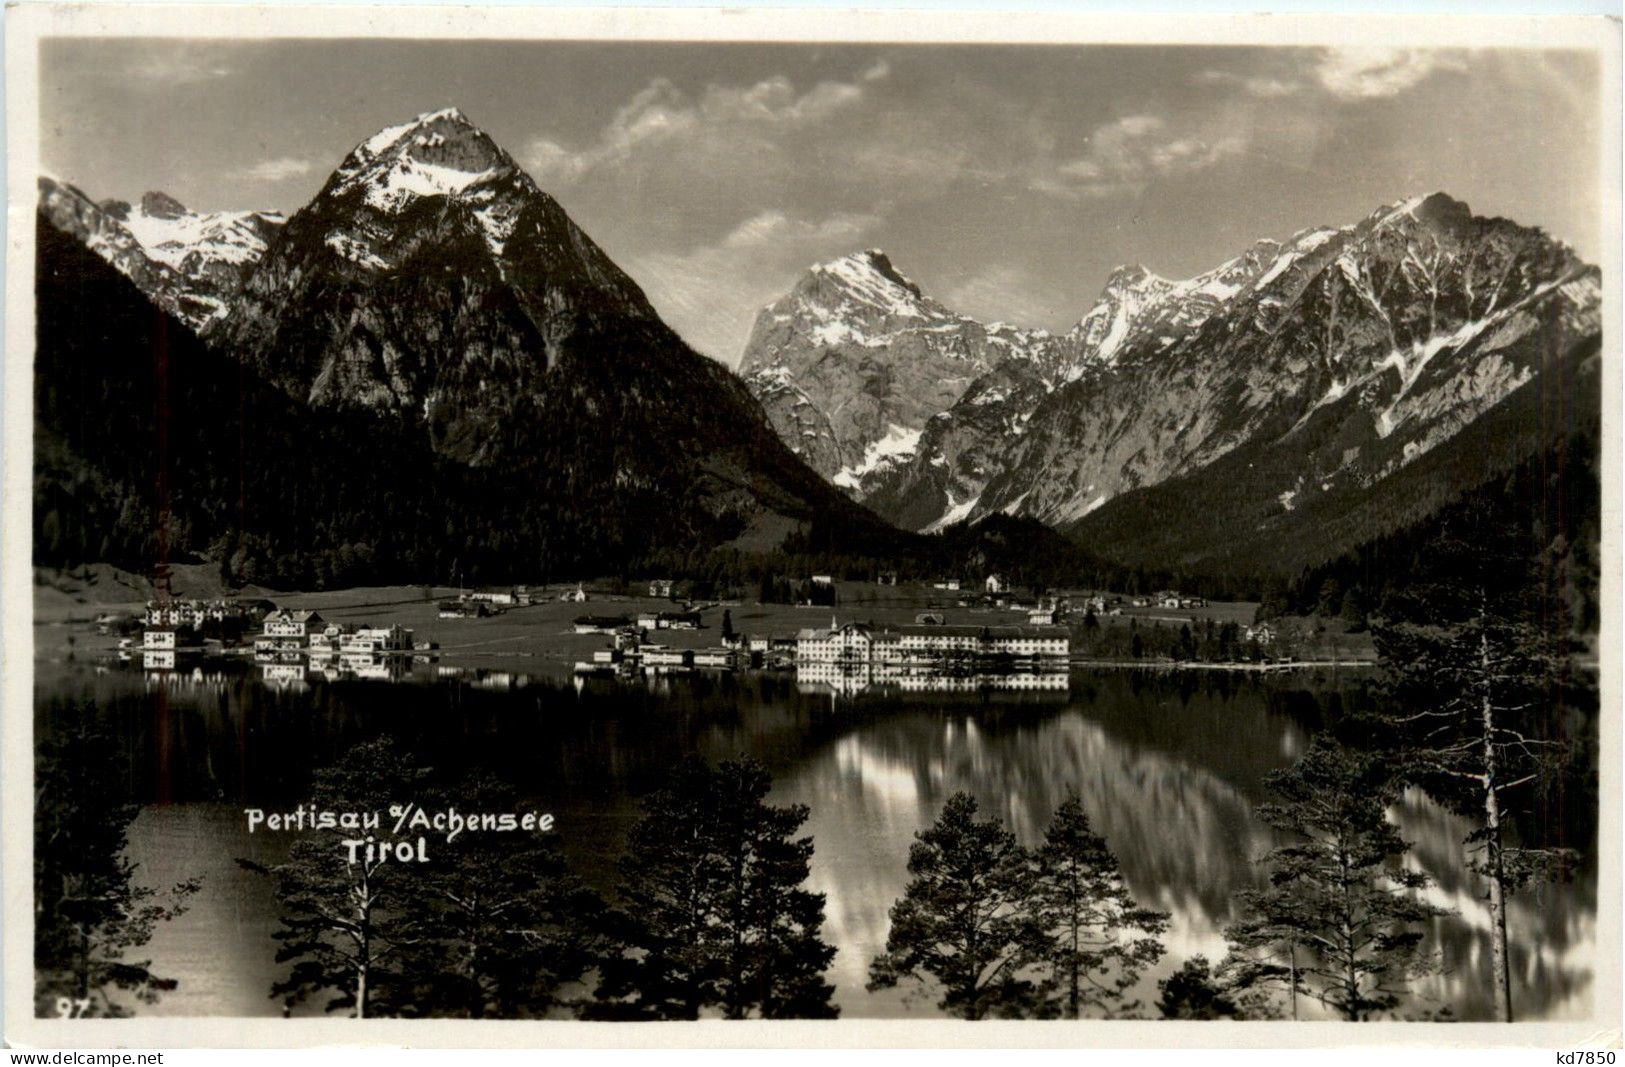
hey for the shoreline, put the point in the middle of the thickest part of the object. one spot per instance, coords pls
(1196, 665)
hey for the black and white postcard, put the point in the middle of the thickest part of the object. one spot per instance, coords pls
(832, 524)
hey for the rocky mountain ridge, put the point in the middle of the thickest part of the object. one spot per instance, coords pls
(432, 286)
(1399, 329)
(853, 361)
(192, 265)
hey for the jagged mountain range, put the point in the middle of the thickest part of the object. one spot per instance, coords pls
(1351, 351)
(432, 287)
(854, 360)
(192, 265)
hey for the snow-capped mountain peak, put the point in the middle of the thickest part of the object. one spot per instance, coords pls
(171, 234)
(854, 360)
(1136, 303)
(1400, 328)
(191, 263)
(1133, 277)
(161, 205)
(439, 153)
(1436, 207)
(525, 285)
(867, 279)
(445, 137)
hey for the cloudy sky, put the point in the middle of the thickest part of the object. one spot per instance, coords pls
(1007, 181)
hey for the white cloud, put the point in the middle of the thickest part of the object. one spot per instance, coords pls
(878, 72)
(1006, 293)
(276, 170)
(1129, 153)
(1371, 73)
(183, 64)
(661, 112)
(774, 229)
(1356, 73)
(1263, 86)
(710, 294)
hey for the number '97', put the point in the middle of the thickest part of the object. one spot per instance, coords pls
(72, 1008)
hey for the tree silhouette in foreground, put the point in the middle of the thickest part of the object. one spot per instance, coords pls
(1194, 992)
(1478, 679)
(963, 922)
(344, 922)
(1338, 904)
(506, 929)
(713, 911)
(89, 913)
(1099, 940)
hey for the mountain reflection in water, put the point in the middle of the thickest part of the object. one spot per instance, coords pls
(1169, 768)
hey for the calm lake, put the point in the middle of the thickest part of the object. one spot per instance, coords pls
(1168, 766)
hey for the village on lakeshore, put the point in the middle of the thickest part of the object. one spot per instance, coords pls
(837, 635)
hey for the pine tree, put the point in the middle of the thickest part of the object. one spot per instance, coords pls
(1338, 902)
(344, 921)
(775, 958)
(1352, 612)
(713, 907)
(1099, 940)
(89, 913)
(1477, 675)
(963, 921)
(506, 927)
(1330, 599)
(1194, 992)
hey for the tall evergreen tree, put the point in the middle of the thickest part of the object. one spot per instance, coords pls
(774, 957)
(1194, 992)
(506, 929)
(1477, 680)
(1338, 894)
(1099, 940)
(89, 913)
(344, 921)
(713, 906)
(963, 921)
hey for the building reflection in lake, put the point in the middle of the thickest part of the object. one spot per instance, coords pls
(849, 679)
(295, 672)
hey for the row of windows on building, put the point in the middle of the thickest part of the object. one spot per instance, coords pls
(859, 642)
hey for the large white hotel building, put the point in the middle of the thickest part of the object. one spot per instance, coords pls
(857, 642)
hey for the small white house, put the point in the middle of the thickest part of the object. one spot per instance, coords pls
(297, 624)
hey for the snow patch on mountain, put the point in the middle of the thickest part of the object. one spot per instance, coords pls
(231, 237)
(189, 263)
(841, 333)
(899, 443)
(869, 277)
(409, 179)
(355, 251)
(956, 512)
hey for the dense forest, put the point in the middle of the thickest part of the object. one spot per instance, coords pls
(137, 420)
(1550, 506)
